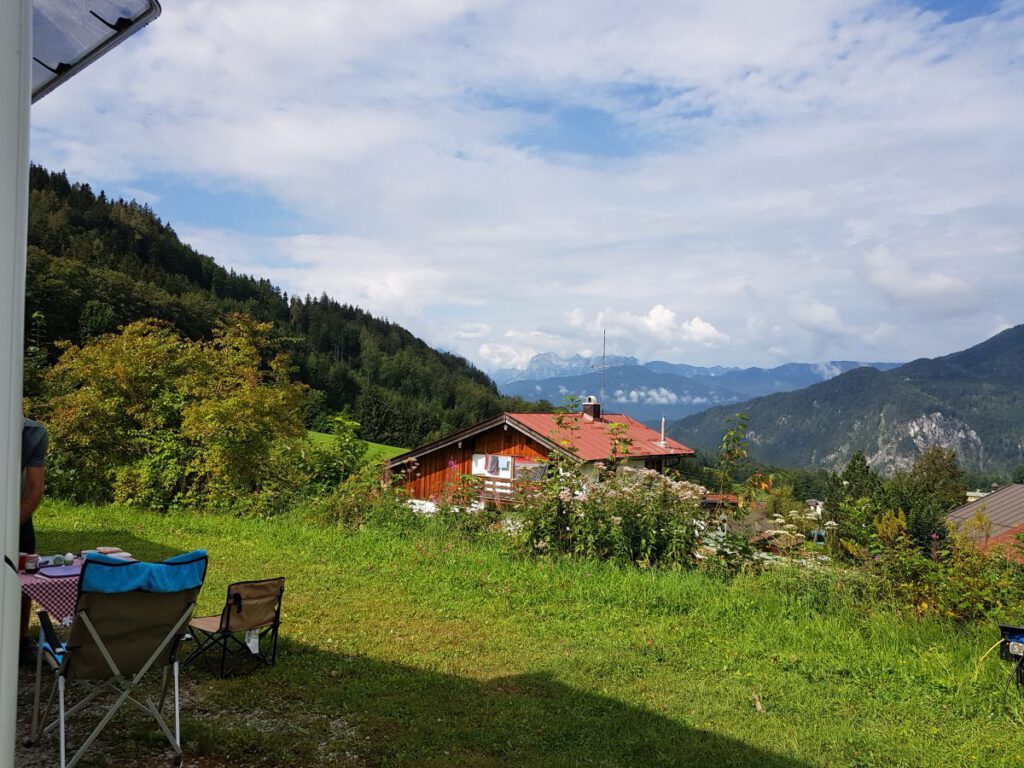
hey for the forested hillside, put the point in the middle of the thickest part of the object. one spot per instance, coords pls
(95, 264)
(971, 402)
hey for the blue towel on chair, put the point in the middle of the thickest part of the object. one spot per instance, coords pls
(102, 573)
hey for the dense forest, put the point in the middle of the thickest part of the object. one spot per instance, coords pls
(96, 264)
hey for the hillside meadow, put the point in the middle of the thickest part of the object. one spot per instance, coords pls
(410, 646)
(375, 452)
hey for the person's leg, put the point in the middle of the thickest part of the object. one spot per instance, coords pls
(26, 612)
(26, 543)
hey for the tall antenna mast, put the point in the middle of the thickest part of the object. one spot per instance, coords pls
(604, 360)
(603, 366)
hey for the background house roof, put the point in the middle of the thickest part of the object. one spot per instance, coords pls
(1004, 509)
(593, 440)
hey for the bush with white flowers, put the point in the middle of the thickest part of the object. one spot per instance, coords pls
(631, 515)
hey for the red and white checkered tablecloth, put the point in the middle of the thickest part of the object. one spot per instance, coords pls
(57, 596)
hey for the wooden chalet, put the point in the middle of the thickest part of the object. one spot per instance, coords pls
(513, 448)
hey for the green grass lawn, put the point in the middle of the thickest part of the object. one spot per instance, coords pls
(417, 649)
(374, 451)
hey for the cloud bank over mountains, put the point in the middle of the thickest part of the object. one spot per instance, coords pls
(736, 183)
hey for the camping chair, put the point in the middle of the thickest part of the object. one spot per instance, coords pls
(252, 610)
(129, 617)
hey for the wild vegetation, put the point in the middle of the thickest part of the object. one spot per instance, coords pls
(412, 644)
(634, 636)
(148, 417)
(634, 516)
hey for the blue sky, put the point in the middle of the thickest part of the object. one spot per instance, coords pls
(960, 10)
(714, 183)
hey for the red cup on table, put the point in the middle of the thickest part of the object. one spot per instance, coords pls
(22, 557)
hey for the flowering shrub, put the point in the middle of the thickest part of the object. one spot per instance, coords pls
(632, 515)
(792, 528)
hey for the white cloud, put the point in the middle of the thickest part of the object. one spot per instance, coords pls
(827, 371)
(504, 355)
(655, 396)
(789, 180)
(702, 332)
(575, 318)
(818, 316)
(919, 285)
(472, 331)
(657, 330)
(661, 396)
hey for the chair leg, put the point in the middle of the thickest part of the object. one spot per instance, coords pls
(203, 642)
(40, 728)
(60, 706)
(273, 644)
(82, 703)
(38, 689)
(151, 709)
(99, 726)
(162, 701)
(234, 650)
(177, 707)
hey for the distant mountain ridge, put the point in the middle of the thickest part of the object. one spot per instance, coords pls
(970, 401)
(548, 365)
(631, 389)
(651, 390)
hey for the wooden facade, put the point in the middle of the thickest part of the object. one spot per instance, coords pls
(437, 470)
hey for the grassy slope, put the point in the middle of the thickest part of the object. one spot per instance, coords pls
(374, 451)
(418, 650)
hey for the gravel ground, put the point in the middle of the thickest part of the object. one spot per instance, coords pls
(118, 745)
(132, 740)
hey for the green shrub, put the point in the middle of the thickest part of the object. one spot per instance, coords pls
(631, 516)
(972, 583)
(955, 578)
(329, 462)
(367, 498)
(850, 525)
(459, 508)
(156, 479)
(149, 418)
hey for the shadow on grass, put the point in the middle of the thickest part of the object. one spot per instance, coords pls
(396, 715)
(50, 541)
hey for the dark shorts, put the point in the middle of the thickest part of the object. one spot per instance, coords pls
(27, 537)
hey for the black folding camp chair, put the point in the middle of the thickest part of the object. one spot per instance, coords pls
(246, 630)
(129, 618)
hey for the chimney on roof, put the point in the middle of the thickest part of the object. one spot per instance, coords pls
(591, 409)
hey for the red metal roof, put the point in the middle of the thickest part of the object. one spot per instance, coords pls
(593, 440)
